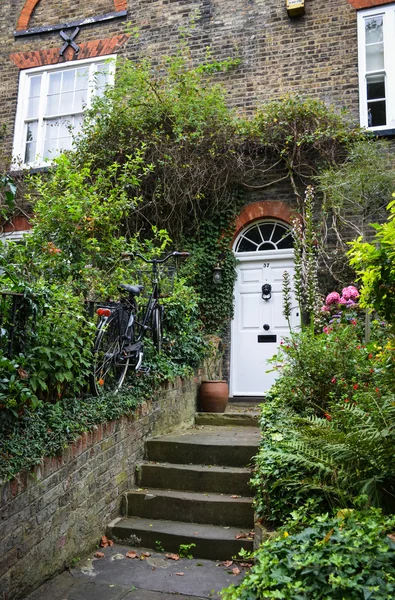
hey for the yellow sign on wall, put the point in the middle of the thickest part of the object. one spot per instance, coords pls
(295, 8)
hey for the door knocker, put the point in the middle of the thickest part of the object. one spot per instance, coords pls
(266, 291)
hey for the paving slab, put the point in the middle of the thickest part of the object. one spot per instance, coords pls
(115, 577)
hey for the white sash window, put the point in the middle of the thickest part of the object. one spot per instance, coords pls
(376, 48)
(51, 103)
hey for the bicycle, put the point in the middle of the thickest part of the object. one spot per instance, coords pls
(119, 337)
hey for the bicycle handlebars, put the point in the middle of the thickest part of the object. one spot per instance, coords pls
(174, 254)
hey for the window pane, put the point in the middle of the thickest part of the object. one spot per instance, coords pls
(246, 246)
(102, 78)
(266, 230)
(82, 79)
(52, 129)
(279, 233)
(50, 150)
(55, 80)
(374, 30)
(34, 97)
(68, 82)
(80, 100)
(375, 57)
(32, 108)
(35, 86)
(254, 235)
(375, 86)
(53, 105)
(66, 103)
(285, 242)
(376, 114)
(31, 139)
(267, 246)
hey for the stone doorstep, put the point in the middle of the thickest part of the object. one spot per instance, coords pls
(199, 478)
(211, 541)
(194, 507)
(210, 445)
(239, 419)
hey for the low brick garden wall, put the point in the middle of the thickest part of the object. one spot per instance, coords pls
(58, 511)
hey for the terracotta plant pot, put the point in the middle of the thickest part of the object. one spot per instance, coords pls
(213, 396)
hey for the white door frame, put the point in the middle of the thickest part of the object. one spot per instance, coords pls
(255, 256)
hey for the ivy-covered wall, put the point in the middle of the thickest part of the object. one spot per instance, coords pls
(60, 509)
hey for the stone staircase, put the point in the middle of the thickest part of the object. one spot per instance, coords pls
(193, 489)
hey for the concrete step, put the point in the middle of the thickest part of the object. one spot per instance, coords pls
(212, 542)
(190, 507)
(232, 418)
(209, 445)
(196, 478)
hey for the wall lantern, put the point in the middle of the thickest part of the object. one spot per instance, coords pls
(295, 8)
(217, 274)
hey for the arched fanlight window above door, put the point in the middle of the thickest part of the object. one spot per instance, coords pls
(264, 236)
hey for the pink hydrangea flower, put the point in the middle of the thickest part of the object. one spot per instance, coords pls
(325, 308)
(332, 298)
(343, 301)
(350, 293)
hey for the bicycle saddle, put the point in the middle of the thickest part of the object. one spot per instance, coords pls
(134, 290)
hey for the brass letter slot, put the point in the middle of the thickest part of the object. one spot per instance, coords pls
(265, 339)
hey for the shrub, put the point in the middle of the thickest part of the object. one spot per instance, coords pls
(327, 558)
(278, 478)
(316, 368)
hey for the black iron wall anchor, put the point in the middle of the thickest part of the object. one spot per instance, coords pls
(68, 38)
(266, 291)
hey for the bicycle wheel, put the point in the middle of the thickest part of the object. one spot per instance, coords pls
(109, 369)
(157, 330)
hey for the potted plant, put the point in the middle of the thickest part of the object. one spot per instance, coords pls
(214, 391)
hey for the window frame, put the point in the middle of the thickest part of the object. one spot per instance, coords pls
(388, 13)
(19, 143)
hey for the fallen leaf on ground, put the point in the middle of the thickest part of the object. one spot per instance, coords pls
(146, 554)
(180, 574)
(235, 496)
(252, 533)
(173, 556)
(99, 555)
(103, 542)
(236, 571)
(246, 564)
(241, 536)
(227, 563)
(131, 554)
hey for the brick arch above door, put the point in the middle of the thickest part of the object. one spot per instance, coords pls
(30, 5)
(264, 209)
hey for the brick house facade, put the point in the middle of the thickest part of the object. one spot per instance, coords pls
(333, 52)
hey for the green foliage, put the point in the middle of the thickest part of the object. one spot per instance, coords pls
(360, 186)
(328, 431)
(277, 479)
(375, 266)
(49, 428)
(312, 366)
(303, 133)
(327, 558)
(15, 391)
(211, 246)
(185, 550)
(181, 124)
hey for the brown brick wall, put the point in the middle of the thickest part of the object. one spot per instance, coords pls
(61, 509)
(314, 55)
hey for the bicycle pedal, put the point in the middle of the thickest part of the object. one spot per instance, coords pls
(144, 370)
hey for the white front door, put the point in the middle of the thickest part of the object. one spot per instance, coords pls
(259, 324)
